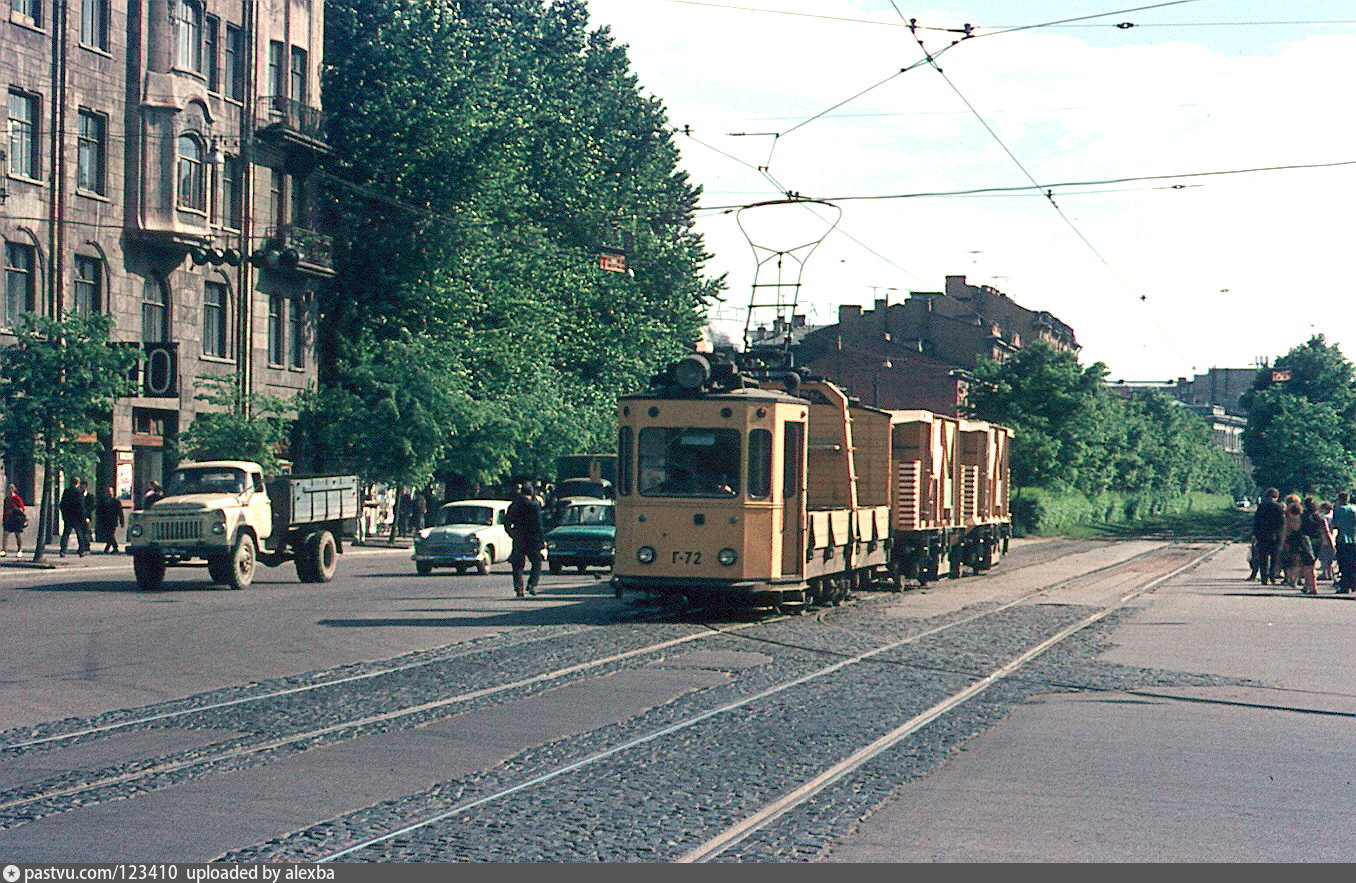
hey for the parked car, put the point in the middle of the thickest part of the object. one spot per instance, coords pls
(575, 490)
(584, 537)
(464, 534)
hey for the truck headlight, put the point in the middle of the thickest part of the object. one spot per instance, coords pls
(135, 530)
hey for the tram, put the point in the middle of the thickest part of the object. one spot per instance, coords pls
(743, 480)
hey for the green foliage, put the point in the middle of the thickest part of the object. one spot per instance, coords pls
(250, 427)
(1300, 435)
(1072, 436)
(1044, 512)
(484, 153)
(58, 382)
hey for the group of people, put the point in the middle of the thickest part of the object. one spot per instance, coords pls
(79, 509)
(1302, 542)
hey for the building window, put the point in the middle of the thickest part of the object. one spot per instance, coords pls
(297, 338)
(21, 282)
(190, 36)
(300, 205)
(232, 192)
(28, 10)
(94, 24)
(214, 319)
(91, 157)
(155, 309)
(89, 286)
(235, 63)
(298, 93)
(277, 310)
(277, 85)
(23, 135)
(275, 197)
(211, 37)
(192, 179)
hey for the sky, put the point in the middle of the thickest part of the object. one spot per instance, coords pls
(1175, 181)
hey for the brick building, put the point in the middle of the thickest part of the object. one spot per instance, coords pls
(158, 169)
(917, 353)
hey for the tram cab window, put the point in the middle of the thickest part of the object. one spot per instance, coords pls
(688, 462)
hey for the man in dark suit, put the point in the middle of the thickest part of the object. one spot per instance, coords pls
(75, 508)
(523, 523)
(1266, 534)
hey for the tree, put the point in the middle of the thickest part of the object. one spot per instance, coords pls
(58, 382)
(483, 153)
(1301, 431)
(1060, 413)
(248, 427)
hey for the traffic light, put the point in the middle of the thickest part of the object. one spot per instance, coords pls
(214, 256)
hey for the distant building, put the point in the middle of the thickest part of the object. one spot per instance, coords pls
(918, 353)
(1215, 397)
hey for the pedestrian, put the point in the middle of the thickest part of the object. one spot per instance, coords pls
(1267, 523)
(1313, 533)
(108, 518)
(152, 495)
(1344, 542)
(419, 506)
(523, 523)
(75, 509)
(1327, 551)
(15, 520)
(1291, 525)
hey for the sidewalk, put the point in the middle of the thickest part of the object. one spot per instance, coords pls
(52, 559)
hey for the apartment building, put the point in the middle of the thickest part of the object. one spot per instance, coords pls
(160, 167)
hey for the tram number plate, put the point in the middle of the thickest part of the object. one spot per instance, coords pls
(687, 557)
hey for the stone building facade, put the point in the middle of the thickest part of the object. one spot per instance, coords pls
(159, 168)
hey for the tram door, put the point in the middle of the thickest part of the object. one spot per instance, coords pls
(793, 499)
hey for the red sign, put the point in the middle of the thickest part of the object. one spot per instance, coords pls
(612, 262)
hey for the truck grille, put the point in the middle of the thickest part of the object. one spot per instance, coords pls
(183, 529)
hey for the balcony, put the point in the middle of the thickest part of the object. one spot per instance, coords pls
(292, 249)
(292, 125)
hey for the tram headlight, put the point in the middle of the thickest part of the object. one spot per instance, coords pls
(727, 556)
(645, 554)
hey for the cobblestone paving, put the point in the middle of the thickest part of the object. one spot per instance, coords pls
(658, 799)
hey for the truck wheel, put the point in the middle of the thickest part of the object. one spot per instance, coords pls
(219, 569)
(322, 557)
(150, 570)
(242, 563)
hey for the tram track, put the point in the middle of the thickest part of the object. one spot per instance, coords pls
(714, 846)
(36, 800)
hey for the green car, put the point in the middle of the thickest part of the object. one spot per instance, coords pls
(584, 537)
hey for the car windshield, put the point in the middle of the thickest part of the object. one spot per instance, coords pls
(482, 515)
(590, 513)
(207, 481)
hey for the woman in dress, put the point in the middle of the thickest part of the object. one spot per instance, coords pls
(15, 520)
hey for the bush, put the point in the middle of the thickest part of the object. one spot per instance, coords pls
(1041, 512)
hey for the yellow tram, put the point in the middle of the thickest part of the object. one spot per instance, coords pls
(752, 483)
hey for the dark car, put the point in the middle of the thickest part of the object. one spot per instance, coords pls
(584, 537)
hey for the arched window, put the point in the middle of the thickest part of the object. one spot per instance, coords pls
(155, 308)
(192, 176)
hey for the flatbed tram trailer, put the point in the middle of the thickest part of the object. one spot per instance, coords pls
(744, 491)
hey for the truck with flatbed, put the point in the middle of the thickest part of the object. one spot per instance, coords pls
(223, 512)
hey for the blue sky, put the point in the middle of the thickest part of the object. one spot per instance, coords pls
(1199, 264)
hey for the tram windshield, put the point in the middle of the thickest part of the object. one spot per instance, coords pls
(688, 462)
